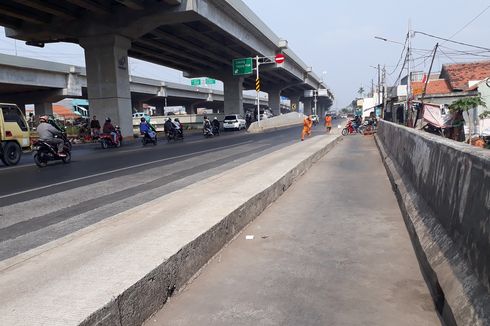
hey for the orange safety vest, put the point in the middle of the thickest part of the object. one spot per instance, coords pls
(328, 121)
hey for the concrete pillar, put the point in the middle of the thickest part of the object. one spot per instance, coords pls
(294, 103)
(233, 89)
(160, 108)
(106, 59)
(307, 103)
(44, 108)
(275, 100)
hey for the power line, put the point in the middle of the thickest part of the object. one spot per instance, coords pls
(471, 21)
(401, 56)
(448, 40)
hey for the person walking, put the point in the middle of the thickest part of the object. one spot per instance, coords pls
(307, 124)
(328, 123)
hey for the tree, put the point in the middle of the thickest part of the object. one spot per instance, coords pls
(465, 105)
(361, 91)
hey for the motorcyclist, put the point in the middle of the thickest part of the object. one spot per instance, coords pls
(147, 129)
(47, 133)
(356, 123)
(178, 127)
(216, 125)
(169, 127)
(206, 126)
(108, 128)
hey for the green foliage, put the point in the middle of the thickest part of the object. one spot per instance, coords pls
(485, 114)
(466, 104)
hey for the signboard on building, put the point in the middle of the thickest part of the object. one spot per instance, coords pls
(401, 90)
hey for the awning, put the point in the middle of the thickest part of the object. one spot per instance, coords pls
(64, 112)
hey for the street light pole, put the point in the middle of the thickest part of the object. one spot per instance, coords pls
(315, 100)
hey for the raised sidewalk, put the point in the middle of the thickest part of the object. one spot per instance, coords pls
(121, 270)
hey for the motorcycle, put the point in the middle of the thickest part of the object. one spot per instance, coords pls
(107, 141)
(215, 130)
(45, 152)
(368, 127)
(349, 129)
(175, 134)
(147, 139)
(207, 132)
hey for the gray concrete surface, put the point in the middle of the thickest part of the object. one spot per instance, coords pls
(122, 269)
(443, 190)
(277, 122)
(57, 202)
(332, 250)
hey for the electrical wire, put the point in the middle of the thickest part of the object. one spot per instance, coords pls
(469, 23)
(401, 56)
(448, 40)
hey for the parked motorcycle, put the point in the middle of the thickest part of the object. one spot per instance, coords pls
(349, 129)
(107, 141)
(45, 152)
(147, 139)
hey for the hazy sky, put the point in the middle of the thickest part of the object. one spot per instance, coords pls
(337, 37)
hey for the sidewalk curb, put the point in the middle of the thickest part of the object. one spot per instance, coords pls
(148, 295)
(458, 296)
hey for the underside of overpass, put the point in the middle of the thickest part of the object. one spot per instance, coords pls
(200, 38)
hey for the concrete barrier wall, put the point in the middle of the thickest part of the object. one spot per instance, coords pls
(280, 121)
(454, 179)
(444, 189)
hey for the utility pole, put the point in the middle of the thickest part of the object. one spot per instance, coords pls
(385, 93)
(425, 86)
(379, 86)
(409, 81)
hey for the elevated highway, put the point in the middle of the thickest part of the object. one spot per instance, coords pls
(200, 38)
(31, 81)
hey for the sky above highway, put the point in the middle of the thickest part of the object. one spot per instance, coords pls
(337, 39)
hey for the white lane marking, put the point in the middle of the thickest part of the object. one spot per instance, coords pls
(119, 170)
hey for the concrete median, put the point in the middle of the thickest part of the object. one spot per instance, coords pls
(121, 270)
(280, 121)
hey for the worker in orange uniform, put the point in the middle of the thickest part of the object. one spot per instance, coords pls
(307, 124)
(328, 123)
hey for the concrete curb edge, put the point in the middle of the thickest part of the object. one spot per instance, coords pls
(458, 296)
(140, 301)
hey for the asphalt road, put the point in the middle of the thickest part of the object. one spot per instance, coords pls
(38, 205)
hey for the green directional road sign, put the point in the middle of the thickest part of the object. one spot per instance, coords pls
(210, 81)
(242, 66)
(195, 82)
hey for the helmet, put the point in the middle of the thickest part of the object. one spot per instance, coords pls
(177, 119)
(215, 118)
(143, 119)
(108, 119)
(43, 118)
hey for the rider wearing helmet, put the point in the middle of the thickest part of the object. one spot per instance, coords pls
(47, 133)
(146, 128)
(108, 128)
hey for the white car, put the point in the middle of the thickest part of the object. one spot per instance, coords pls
(234, 121)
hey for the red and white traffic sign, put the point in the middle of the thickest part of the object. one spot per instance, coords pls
(279, 58)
